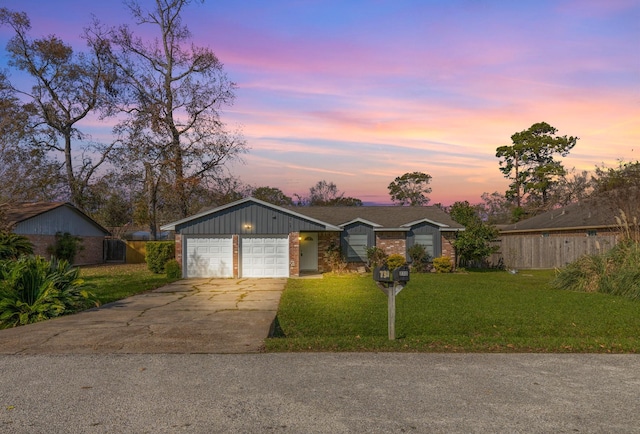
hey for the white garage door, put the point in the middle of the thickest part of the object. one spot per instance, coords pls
(265, 257)
(209, 257)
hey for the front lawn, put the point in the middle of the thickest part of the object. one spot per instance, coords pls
(111, 282)
(478, 311)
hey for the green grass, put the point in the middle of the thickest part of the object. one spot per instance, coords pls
(115, 282)
(474, 312)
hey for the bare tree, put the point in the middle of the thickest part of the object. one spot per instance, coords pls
(67, 87)
(172, 92)
(618, 188)
(26, 173)
(272, 195)
(326, 194)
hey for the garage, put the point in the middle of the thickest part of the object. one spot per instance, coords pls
(248, 238)
(209, 257)
(265, 256)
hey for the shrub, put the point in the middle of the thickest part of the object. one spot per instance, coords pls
(66, 248)
(394, 261)
(376, 256)
(12, 246)
(581, 275)
(172, 268)
(158, 253)
(475, 244)
(33, 289)
(443, 264)
(419, 258)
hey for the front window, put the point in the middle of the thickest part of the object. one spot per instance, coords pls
(426, 241)
(357, 248)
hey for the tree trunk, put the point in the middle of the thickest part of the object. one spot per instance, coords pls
(152, 201)
(72, 182)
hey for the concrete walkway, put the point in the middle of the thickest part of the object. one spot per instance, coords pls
(188, 316)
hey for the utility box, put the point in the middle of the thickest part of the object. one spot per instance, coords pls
(382, 274)
(401, 274)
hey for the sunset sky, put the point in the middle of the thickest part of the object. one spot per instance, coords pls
(359, 92)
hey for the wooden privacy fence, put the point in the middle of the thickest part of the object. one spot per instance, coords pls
(136, 251)
(543, 252)
(131, 252)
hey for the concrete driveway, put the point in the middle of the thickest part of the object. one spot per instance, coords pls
(188, 316)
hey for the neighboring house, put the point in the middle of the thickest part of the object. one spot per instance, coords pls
(252, 238)
(558, 237)
(40, 221)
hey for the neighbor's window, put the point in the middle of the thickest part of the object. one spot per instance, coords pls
(357, 247)
(592, 233)
(427, 242)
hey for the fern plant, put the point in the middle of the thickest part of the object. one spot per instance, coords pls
(12, 246)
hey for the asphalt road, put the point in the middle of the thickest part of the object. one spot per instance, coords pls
(320, 393)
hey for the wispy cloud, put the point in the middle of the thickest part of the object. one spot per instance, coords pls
(361, 92)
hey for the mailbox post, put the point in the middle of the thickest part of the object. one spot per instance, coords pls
(391, 283)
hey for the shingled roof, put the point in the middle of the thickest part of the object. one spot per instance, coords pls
(388, 217)
(380, 217)
(20, 211)
(583, 215)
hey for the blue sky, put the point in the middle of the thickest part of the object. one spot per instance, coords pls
(360, 92)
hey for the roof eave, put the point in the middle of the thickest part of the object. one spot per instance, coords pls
(569, 228)
(383, 229)
(361, 220)
(433, 222)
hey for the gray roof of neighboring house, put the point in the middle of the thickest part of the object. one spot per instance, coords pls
(18, 212)
(21, 211)
(583, 215)
(383, 216)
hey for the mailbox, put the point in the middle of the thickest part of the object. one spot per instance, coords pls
(401, 274)
(382, 274)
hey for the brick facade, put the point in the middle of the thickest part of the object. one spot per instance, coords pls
(92, 248)
(447, 244)
(326, 241)
(294, 254)
(447, 239)
(235, 241)
(178, 239)
(392, 243)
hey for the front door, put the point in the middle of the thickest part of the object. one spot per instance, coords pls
(309, 251)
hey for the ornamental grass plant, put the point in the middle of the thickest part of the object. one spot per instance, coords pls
(615, 272)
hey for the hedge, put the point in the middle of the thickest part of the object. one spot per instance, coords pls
(158, 253)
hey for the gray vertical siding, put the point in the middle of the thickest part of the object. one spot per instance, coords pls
(61, 219)
(357, 229)
(248, 218)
